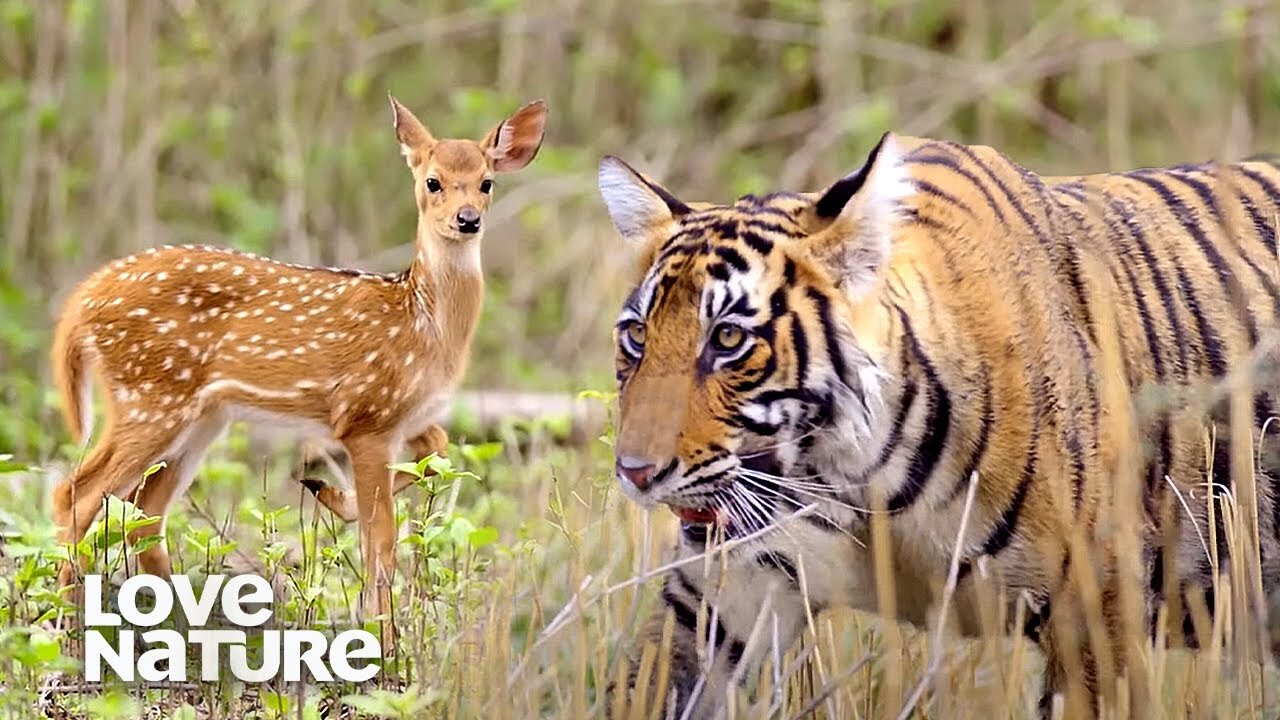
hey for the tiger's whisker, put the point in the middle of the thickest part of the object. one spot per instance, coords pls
(785, 478)
(811, 432)
(802, 491)
(759, 517)
(757, 507)
(823, 516)
(775, 481)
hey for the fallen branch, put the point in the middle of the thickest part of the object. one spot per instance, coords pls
(477, 416)
(573, 419)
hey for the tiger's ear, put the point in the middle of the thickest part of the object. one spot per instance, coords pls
(851, 222)
(637, 206)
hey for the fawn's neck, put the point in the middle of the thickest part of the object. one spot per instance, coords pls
(447, 288)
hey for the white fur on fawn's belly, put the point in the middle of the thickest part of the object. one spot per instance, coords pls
(422, 414)
(309, 427)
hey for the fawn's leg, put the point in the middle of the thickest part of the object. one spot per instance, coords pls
(370, 456)
(343, 502)
(114, 467)
(434, 440)
(156, 494)
(76, 500)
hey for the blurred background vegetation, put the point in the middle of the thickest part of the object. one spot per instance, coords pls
(264, 126)
(126, 124)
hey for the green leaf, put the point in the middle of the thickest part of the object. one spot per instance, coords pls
(482, 452)
(1234, 20)
(112, 704)
(373, 705)
(444, 468)
(45, 649)
(79, 14)
(47, 117)
(409, 468)
(9, 465)
(274, 553)
(441, 466)
(136, 523)
(391, 704)
(17, 13)
(431, 533)
(357, 84)
(145, 543)
(275, 702)
(460, 530)
(480, 537)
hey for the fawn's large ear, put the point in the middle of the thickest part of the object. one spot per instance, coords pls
(851, 223)
(637, 205)
(515, 141)
(410, 132)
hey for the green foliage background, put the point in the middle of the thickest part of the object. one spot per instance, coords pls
(264, 126)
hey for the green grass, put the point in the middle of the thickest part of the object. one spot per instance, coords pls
(126, 126)
(523, 573)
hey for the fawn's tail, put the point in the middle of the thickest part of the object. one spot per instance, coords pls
(69, 373)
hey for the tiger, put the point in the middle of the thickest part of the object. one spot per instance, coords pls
(943, 340)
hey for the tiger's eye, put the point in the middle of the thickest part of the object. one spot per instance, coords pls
(728, 337)
(635, 333)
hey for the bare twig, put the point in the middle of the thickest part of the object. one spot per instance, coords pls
(935, 652)
(832, 685)
(578, 605)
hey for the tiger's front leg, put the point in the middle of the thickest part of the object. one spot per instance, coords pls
(728, 614)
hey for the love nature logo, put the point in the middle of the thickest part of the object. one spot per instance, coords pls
(245, 601)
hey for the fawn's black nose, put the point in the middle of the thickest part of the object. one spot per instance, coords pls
(469, 220)
(636, 471)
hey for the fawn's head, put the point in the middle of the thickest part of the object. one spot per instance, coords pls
(453, 179)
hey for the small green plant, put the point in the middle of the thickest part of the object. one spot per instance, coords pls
(387, 704)
(113, 705)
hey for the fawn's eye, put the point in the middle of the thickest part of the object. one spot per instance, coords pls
(486, 186)
(433, 185)
(728, 338)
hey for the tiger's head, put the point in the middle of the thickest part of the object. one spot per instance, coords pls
(752, 334)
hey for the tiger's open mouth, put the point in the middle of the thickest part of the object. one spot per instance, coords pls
(764, 462)
(696, 516)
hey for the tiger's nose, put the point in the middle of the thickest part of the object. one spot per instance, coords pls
(469, 220)
(635, 471)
